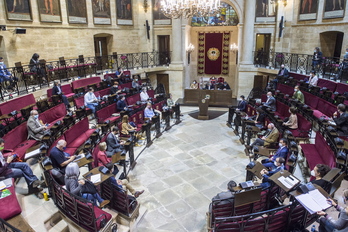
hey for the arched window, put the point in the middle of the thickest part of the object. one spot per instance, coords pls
(227, 17)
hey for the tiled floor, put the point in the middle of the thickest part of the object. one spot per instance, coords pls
(180, 173)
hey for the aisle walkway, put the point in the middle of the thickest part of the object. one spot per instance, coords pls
(184, 169)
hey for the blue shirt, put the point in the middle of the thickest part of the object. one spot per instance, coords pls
(90, 98)
(148, 113)
(58, 157)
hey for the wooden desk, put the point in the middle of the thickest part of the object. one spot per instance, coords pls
(94, 171)
(331, 174)
(83, 161)
(217, 97)
(256, 170)
(284, 173)
(33, 148)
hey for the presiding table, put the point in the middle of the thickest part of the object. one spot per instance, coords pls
(217, 97)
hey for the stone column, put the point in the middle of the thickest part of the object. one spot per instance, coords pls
(176, 42)
(247, 46)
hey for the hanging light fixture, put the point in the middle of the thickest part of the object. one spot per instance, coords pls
(188, 8)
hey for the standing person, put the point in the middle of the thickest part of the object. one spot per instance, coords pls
(56, 90)
(298, 94)
(5, 75)
(328, 224)
(36, 129)
(317, 58)
(9, 169)
(91, 101)
(34, 65)
(77, 187)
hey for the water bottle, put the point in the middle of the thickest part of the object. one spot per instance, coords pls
(313, 229)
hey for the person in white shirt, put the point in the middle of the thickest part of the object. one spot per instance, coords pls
(144, 97)
(91, 101)
(313, 79)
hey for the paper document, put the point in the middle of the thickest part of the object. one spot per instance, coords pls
(96, 178)
(289, 182)
(32, 153)
(313, 201)
(2, 185)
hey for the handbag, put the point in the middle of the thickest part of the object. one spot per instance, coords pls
(88, 187)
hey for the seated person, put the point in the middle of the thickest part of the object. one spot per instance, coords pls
(9, 169)
(144, 96)
(36, 129)
(292, 122)
(319, 171)
(121, 104)
(194, 85)
(228, 195)
(77, 187)
(56, 90)
(341, 119)
(328, 224)
(135, 83)
(266, 182)
(260, 118)
(149, 112)
(113, 143)
(270, 104)
(242, 104)
(119, 75)
(170, 101)
(122, 184)
(224, 86)
(127, 129)
(103, 159)
(298, 95)
(313, 79)
(283, 72)
(91, 101)
(114, 89)
(5, 75)
(282, 151)
(60, 159)
(271, 137)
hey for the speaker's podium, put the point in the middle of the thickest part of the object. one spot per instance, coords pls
(203, 108)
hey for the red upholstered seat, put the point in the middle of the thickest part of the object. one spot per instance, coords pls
(9, 205)
(66, 89)
(17, 104)
(341, 88)
(298, 76)
(304, 126)
(85, 82)
(317, 153)
(282, 110)
(16, 140)
(126, 85)
(132, 100)
(78, 134)
(54, 114)
(286, 89)
(311, 100)
(324, 108)
(327, 83)
(79, 101)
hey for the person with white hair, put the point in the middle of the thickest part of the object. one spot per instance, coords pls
(36, 129)
(79, 187)
(60, 159)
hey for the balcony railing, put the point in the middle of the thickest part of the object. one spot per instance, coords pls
(299, 63)
(29, 78)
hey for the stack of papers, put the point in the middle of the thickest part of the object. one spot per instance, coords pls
(289, 182)
(313, 201)
(96, 178)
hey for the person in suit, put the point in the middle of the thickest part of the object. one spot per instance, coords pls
(113, 144)
(282, 151)
(291, 123)
(114, 89)
(270, 137)
(270, 103)
(242, 104)
(319, 171)
(298, 94)
(60, 159)
(9, 169)
(279, 166)
(36, 128)
(341, 119)
(241, 107)
(224, 86)
(56, 90)
(283, 71)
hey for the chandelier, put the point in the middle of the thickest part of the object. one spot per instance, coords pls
(188, 8)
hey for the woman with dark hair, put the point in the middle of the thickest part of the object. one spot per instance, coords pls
(79, 187)
(291, 123)
(319, 171)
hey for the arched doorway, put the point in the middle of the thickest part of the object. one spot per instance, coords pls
(331, 43)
